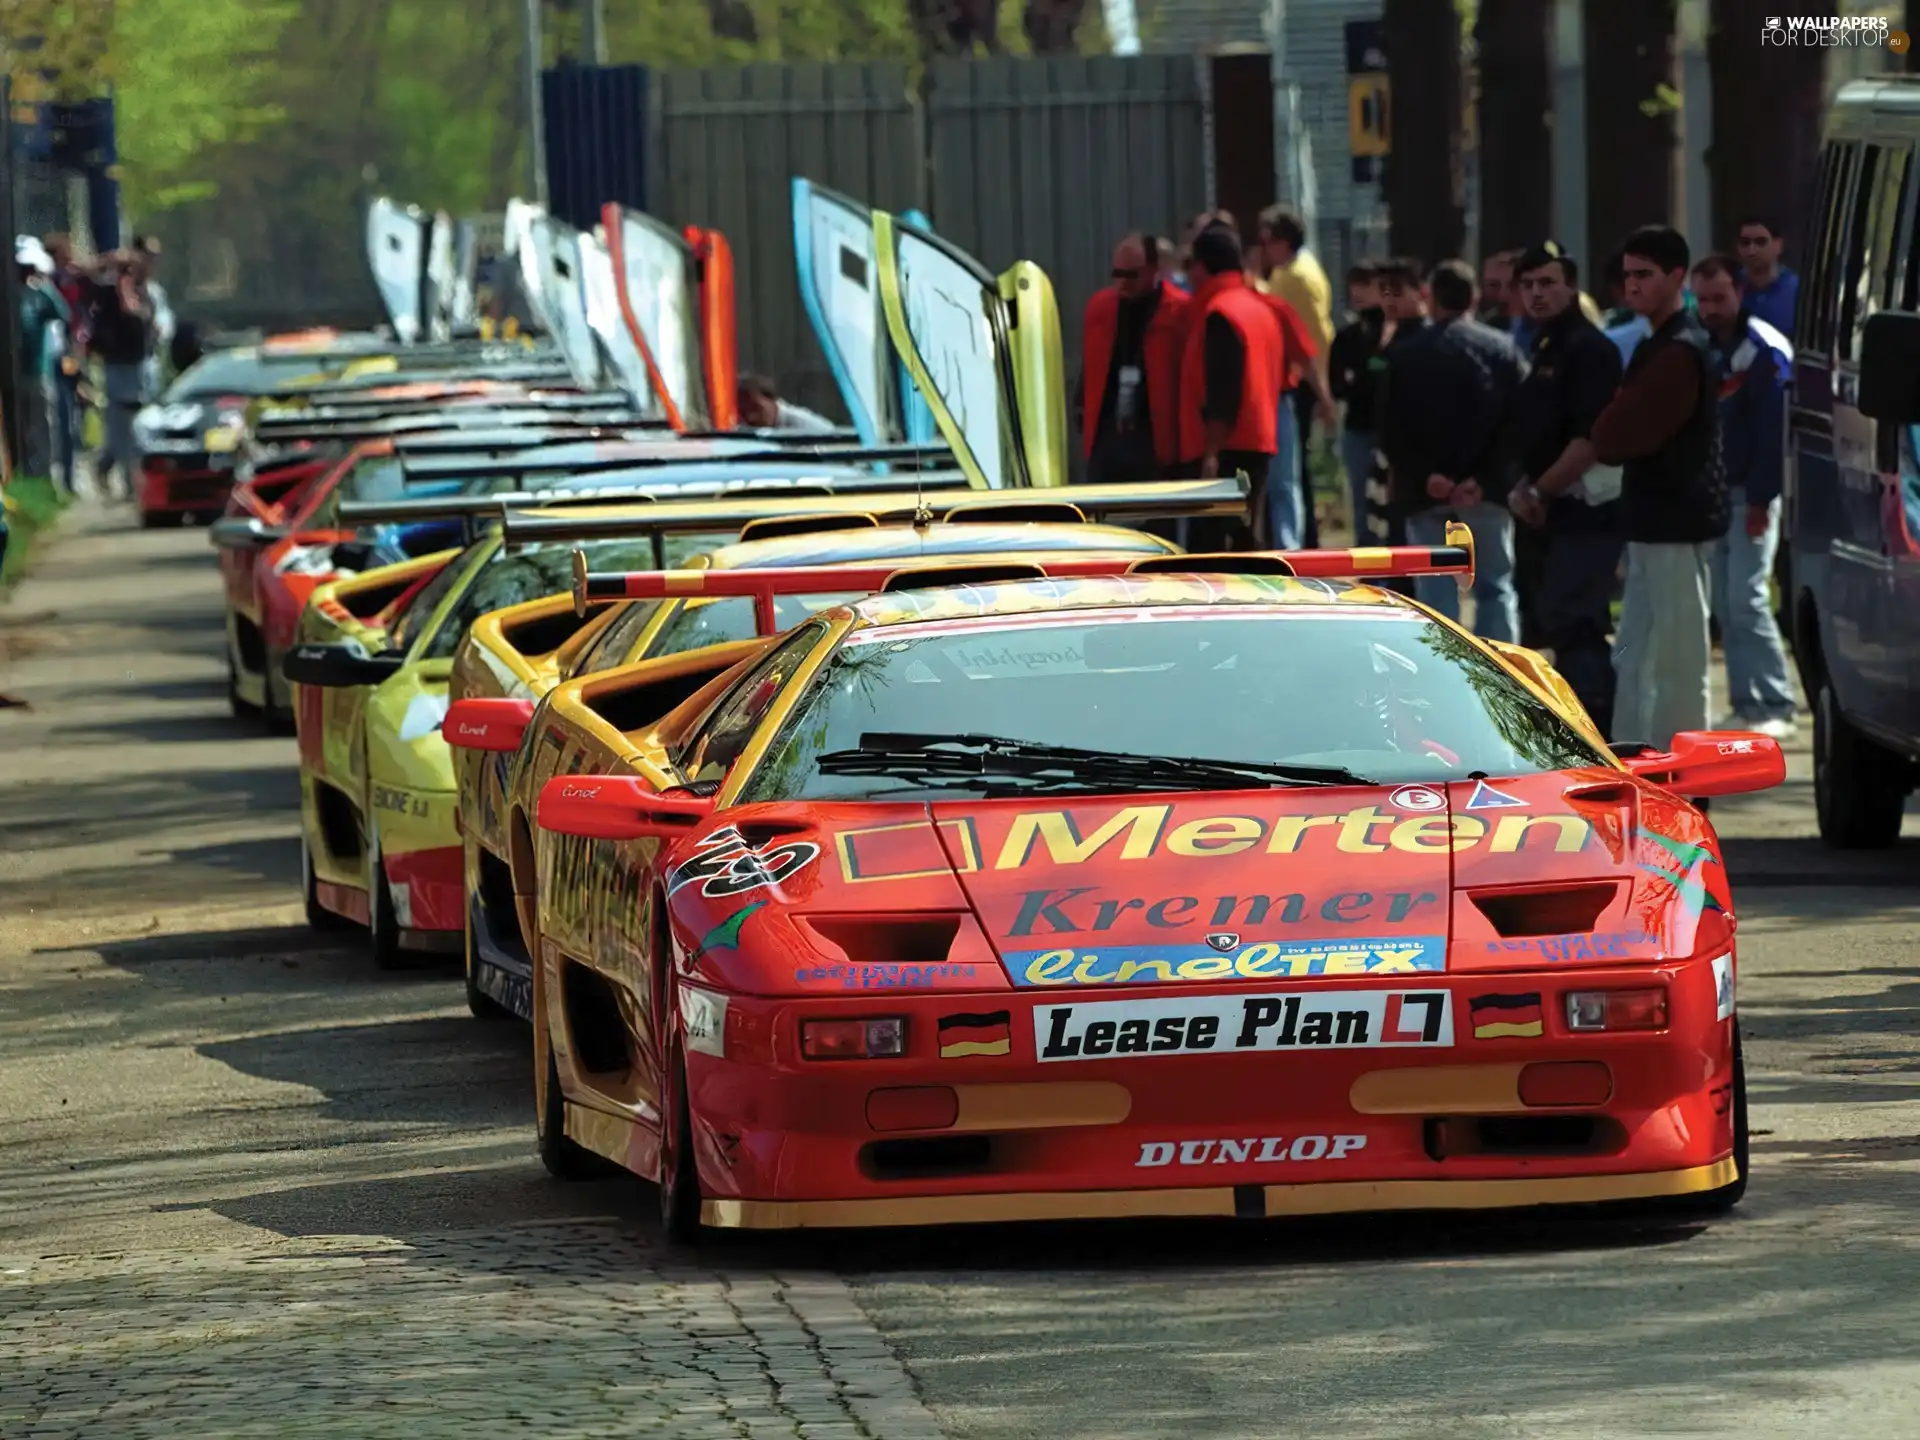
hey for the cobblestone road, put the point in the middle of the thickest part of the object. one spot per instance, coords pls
(253, 1187)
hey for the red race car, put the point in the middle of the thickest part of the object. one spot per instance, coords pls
(1206, 885)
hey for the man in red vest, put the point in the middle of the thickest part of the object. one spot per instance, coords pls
(1230, 372)
(1130, 356)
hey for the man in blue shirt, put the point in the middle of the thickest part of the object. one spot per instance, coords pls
(1772, 290)
(1755, 365)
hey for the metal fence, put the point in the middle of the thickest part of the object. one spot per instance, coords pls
(1053, 160)
(727, 143)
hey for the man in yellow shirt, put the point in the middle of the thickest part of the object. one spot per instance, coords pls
(1297, 278)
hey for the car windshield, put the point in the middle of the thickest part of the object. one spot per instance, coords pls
(713, 622)
(517, 576)
(240, 373)
(1324, 694)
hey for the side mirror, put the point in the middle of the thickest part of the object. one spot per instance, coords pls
(618, 807)
(243, 532)
(487, 723)
(1709, 762)
(1890, 367)
(337, 667)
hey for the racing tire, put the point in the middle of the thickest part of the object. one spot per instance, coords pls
(279, 717)
(482, 1005)
(565, 1159)
(1719, 1202)
(679, 1183)
(1859, 793)
(383, 923)
(319, 918)
(158, 520)
(240, 708)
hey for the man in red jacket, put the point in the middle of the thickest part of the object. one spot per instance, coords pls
(1230, 372)
(1130, 357)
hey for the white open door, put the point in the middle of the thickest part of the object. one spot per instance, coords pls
(551, 264)
(839, 277)
(947, 319)
(440, 278)
(655, 270)
(622, 354)
(396, 250)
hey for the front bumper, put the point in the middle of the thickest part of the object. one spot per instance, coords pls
(1256, 1202)
(786, 1142)
(183, 484)
(427, 890)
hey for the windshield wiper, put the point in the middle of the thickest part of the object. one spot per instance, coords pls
(894, 753)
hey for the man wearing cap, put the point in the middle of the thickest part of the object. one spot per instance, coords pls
(43, 321)
(1128, 396)
(1564, 495)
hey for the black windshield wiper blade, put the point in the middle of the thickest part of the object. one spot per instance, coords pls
(890, 752)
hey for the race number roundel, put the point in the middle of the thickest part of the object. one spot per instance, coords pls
(1418, 797)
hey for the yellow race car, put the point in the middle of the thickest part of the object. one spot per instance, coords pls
(515, 655)
(373, 656)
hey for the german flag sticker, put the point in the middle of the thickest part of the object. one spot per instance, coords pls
(962, 1035)
(1496, 1017)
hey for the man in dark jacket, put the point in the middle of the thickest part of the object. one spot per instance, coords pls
(1663, 429)
(1450, 402)
(1564, 496)
(1755, 366)
(1128, 399)
(1352, 380)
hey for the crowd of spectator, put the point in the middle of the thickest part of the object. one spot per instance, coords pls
(1617, 460)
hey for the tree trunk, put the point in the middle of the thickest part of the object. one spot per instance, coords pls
(1051, 25)
(1424, 182)
(1631, 99)
(1767, 103)
(1516, 135)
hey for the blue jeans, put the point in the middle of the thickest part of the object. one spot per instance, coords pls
(66, 426)
(1758, 684)
(1661, 653)
(1356, 458)
(1286, 508)
(1497, 604)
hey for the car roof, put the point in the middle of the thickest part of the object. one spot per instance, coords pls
(888, 542)
(1011, 599)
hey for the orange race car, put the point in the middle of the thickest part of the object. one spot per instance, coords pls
(881, 923)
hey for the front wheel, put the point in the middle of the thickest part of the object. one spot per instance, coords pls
(565, 1159)
(482, 1005)
(383, 921)
(318, 916)
(1859, 789)
(1718, 1202)
(242, 709)
(680, 1195)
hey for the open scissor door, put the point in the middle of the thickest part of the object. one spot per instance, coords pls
(952, 324)
(657, 289)
(397, 244)
(551, 267)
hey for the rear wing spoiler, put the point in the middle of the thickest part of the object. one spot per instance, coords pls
(351, 429)
(757, 496)
(884, 498)
(763, 587)
(681, 508)
(682, 452)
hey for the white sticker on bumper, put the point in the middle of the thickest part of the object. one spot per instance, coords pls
(1209, 1024)
(704, 1015)
(1723, 986)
